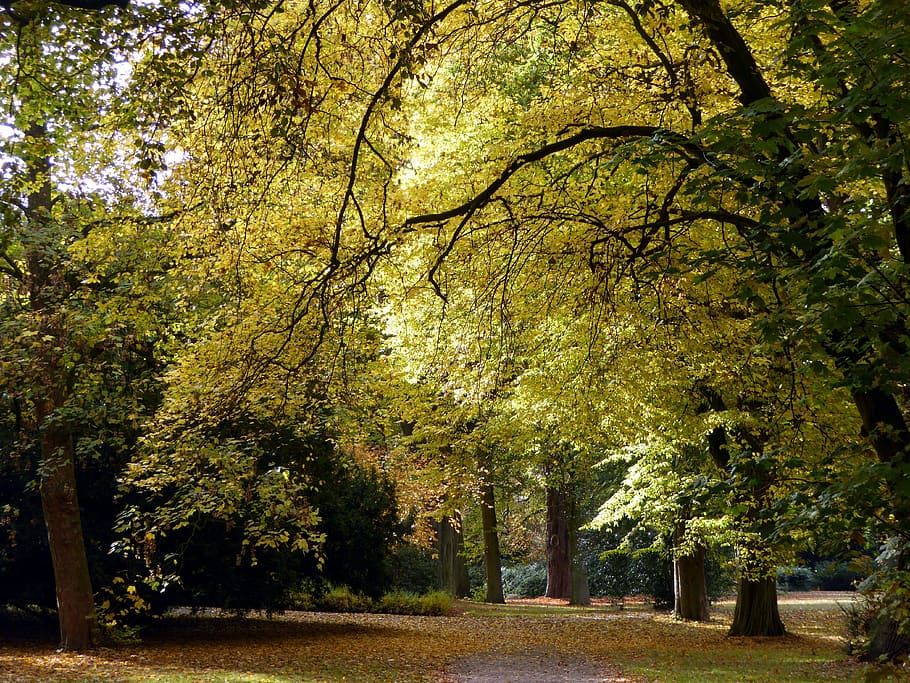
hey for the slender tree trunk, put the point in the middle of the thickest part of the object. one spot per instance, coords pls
(756, 612)
(558, 559)
(690, 594)
(75, 598)
(492, 559)
(453, 573)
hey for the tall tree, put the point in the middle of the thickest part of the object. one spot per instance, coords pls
(83, 307)
(37, 233)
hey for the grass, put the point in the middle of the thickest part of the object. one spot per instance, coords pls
(635, 644)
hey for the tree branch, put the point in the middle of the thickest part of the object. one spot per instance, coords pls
(478, 201)
(741, 64)
(378, 96)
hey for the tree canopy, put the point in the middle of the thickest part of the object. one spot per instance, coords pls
(674, 234)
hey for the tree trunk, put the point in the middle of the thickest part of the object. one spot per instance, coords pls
(75, 598)
(579, 592)
(756, 612)
(690, 594)
(492, 559)
(558, 559)
(885, 640)
(453, 573)
(79, 628)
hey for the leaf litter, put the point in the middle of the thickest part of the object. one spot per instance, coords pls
(600, 645)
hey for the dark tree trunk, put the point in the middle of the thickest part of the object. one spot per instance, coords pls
(453, 573)
(579, 592)
(558, 558)
(492, 559)
(756, 612)
(883, 423)
(75, 599)
(885, 640)
(690, 594)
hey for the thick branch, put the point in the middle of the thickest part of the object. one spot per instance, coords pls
(741, 65)
(478, 201)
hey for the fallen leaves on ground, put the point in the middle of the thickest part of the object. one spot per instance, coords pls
(629, 645)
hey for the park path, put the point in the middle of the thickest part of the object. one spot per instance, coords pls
(529, 667)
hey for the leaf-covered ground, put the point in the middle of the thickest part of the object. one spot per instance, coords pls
(480, 644)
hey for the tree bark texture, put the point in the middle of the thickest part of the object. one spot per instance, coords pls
(79, 628)
(453, 573)
(756, 612)
(690, 594)
(579, 591)
(558, 560)
(492, 559)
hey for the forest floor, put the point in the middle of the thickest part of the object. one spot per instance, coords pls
(523, 642)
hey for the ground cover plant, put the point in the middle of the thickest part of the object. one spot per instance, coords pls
(634, 645)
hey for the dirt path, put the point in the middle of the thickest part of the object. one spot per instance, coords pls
(529, 667)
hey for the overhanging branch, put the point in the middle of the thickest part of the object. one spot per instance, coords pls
(486, 195)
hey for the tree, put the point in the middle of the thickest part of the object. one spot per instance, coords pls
(39, 226)
(82, 314)
(492, 558)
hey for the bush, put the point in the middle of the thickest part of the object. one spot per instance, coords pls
(525, 580)
(342, 599)
(613, 578)
(399, 602)
(840, 576)
(796, 579)
(719, 576)
(435, 604)
(651, 575)
(359, 514)
(413, 569)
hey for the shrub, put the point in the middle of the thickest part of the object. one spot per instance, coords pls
(436, 603)
(614, 577)
(342, 599)
(719, 575)
(413, 569)
(651, 575)
(479, 593)
(525, 580)
(840, 576)
(399, 602)
(619, 572)
(796, 579)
